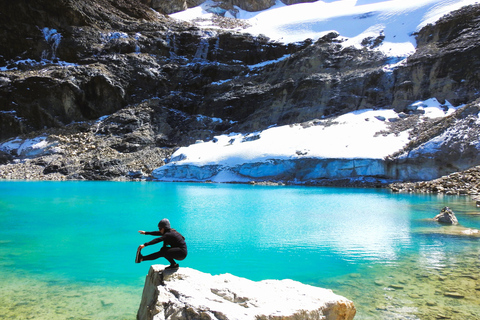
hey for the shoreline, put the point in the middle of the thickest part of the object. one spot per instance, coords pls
(459, 183)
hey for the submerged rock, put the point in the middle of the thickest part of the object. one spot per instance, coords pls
(446, 216)
(191, 294)
(453, 231)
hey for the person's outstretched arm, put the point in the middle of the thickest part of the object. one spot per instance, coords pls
(151, 233)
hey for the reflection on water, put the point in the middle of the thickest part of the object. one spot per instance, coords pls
(67, 248)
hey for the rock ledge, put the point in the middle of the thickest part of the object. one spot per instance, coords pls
(191, 294)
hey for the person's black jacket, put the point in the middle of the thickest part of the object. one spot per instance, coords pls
(170, 238)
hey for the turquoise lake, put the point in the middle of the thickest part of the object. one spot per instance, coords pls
(67, 248)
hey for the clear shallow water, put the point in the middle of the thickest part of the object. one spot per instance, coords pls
(67, 248)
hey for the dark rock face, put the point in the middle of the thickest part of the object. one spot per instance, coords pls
(444, 65)
(310, 84)
(289, 2)
(455, 148)
(66, 62)
(256, 5)
(465, 182)
(167, 7)
(127, 145)
(173, 6)
(98, 66)
(23, 22)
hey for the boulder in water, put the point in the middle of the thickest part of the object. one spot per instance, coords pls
(446, 216)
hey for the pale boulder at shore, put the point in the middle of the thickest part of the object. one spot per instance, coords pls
(190, 294)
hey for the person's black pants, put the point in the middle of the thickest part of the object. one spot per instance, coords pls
(168, 253)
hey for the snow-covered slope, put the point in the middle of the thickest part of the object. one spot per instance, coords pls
(351, 145)
(355, 20)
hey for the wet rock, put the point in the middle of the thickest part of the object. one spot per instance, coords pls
(453, 230)
(396, 286)
(446, 216)
(455, 295)
(379, 283)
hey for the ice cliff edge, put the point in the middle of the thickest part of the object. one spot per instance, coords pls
(190, 294)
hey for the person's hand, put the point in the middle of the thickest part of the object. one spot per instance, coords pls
(141, 231)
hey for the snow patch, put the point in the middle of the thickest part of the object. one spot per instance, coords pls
(116, 36)
(432, 108)
(25, 147)
(358, 142)
(265, 63)
(352, 19)
(53, 38)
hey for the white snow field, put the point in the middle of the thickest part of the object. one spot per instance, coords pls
(356, 141)
(354, 20)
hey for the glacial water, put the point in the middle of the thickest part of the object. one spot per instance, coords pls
(67, 248)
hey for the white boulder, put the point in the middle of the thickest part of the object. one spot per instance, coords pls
(191, 294)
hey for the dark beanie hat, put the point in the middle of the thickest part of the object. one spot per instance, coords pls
(164, 223)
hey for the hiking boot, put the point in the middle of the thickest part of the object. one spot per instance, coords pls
(139, 257)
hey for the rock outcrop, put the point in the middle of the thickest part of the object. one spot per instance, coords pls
(190, 294)
(442, 63)
(74, 65)
(440, 147)
(446, 216)
(451, 226)
(466, 182)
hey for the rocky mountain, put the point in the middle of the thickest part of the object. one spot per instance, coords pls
(222, 6)
(105, 89)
